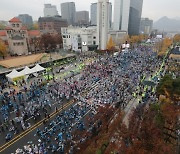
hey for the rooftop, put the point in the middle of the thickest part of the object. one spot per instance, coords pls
(51, 19)
(2, 33)
(24, 28)
(8, 28)
(15, 19)
(34, 33)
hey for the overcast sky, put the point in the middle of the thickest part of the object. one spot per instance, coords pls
(153, 9)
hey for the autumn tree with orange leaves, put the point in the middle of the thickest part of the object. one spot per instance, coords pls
(145, 133)
(166, 43)
(176, 38)
(137, 38)
(110, 45)
(3, 49)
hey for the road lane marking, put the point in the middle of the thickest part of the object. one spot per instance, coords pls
(20, 136)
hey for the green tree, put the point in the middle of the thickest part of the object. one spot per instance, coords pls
(169, 87)
(2, 26)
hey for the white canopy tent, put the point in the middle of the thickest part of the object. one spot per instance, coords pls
(148, 41)
(125, 46)
(37, 68)
(26, 71)
(14, 74)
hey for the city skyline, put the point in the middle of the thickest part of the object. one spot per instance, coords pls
(151, 9)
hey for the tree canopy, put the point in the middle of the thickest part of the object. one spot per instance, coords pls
(3, 49)
(137, 38)
(169, 86)
(110, 44)
(50, 42)
(165, 44)
(2, 26)
(35, 26)
(176, 38)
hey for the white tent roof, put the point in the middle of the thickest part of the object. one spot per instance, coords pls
(26, 71)
(37, 68)
(14, 74)
(148, 41)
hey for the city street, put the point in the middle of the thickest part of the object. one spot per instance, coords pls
(65, 116)
(57, 104)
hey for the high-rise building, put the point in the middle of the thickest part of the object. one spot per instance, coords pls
(102, 23)
(127, 15)
(68, 12)
(93, 19)
(50, 10)
(146, 26)
(110, 15)
(82, 18)
(51, 25)
(26, 19)
(121, 15)
(135, 17)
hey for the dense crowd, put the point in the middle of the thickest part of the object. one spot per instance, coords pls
(108, 80)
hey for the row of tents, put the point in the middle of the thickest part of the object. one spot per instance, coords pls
(15, 75)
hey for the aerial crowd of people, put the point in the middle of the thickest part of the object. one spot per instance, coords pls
(109, 80)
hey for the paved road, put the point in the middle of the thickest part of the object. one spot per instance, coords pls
(24, 137)
(135, 102)
(28, 135)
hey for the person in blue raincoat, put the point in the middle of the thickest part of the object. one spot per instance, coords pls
(60, 136)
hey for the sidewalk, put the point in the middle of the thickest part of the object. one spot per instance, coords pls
(135, 102)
